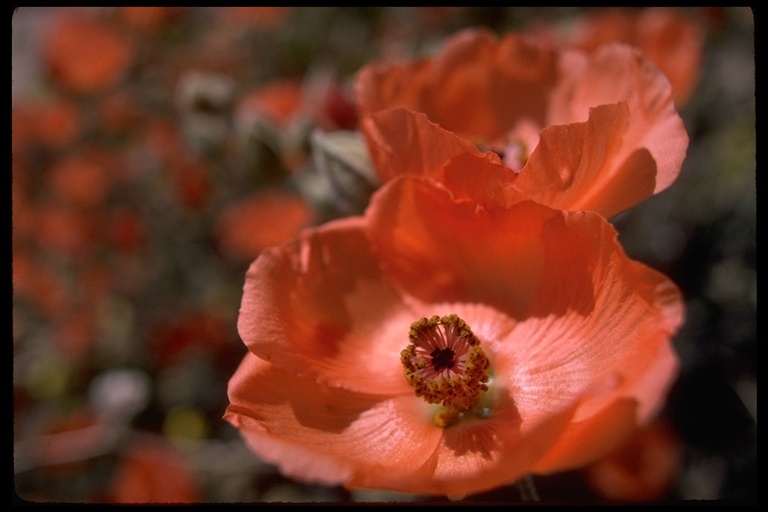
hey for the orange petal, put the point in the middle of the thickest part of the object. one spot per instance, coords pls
(644, 468)
(477, 456)
(618, 299)
(674, 42)
(476, 87)
(666, 36)
(481, 179)
(618, 73)
(266, 218)
(587, 441)
(591, 296)
(328, 435)
(575, 166)
(154, 472)
(441, 250)
(321, 306)
(86, 55)
(405, 142)
(630, 405)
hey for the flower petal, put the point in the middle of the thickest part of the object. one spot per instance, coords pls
(405, 142)
(574, 354)
(619, 73)
(667, 36)
(480, 455)
(477, 87)
(575, 166)
(644, 468)
(630, 406)
(306, 310)
(441, 250)
(592, 298)
(325, 434)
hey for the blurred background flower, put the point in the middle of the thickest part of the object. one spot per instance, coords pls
(146, 175)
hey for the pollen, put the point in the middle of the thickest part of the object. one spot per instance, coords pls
(445, 364)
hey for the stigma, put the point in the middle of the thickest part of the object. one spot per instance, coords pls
(445, 365)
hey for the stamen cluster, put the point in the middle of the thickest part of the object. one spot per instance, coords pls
(444, 362)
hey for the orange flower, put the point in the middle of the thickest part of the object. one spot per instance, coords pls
(269, 217)
(666, 36)
(438, 346)
(38, 284)
(644, 468)
(149, 19)
(279, 101)
(65, 230)
(119, 112)
(86, 55)
(55, 123)
(154, 472)
(81, 180)
(566, 129)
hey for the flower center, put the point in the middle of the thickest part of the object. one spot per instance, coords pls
(445, 365)
(513, 152)
(442, 358)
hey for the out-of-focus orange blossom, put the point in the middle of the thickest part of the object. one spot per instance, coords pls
(644, 468)
(87, 56)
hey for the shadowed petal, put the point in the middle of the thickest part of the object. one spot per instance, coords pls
(475, 87)
(457, 250)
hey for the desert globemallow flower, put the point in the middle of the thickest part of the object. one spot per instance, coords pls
(670, 37)
(86, 55)
(568, 129)
(439, 346)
